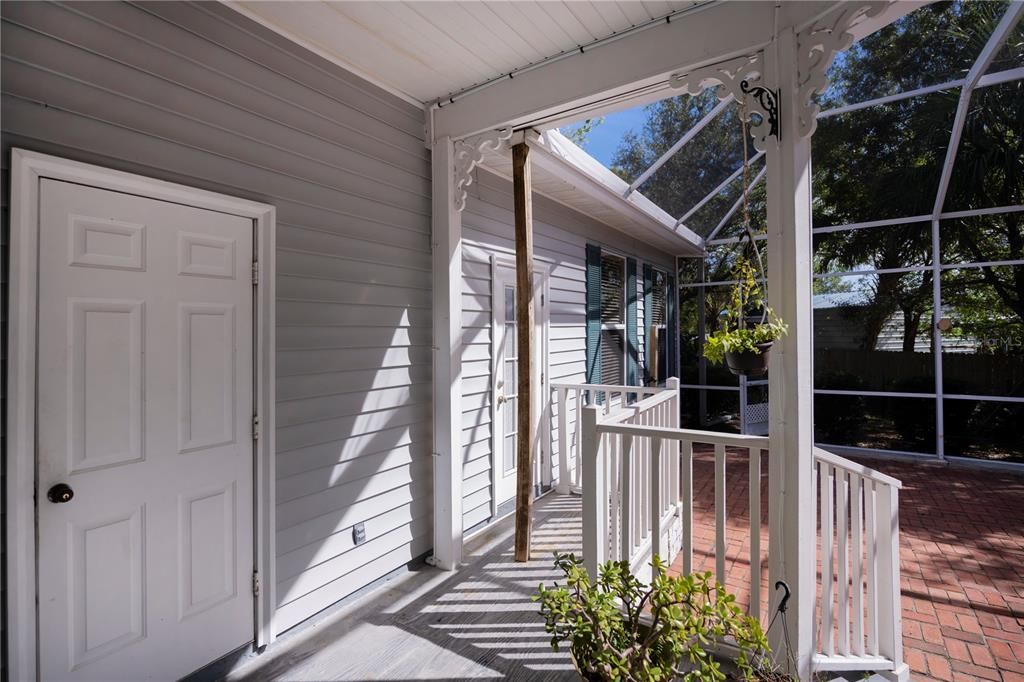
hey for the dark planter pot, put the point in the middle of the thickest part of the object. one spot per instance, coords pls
(749, 363)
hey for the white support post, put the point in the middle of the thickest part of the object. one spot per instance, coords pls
(595, 499)
(446, 243)
(791, 504)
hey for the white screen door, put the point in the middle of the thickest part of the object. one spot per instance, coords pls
(506, 363)
(144, 451)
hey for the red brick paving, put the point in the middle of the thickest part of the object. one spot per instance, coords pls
(961, 561)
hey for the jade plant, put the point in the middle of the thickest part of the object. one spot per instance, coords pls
(619, 628)
(741, 343)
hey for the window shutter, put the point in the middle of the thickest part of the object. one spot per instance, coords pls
(648, 322)
(632, 354)
(671, 300)
(593, 310)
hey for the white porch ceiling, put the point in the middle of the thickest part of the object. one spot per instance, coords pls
(427, 50)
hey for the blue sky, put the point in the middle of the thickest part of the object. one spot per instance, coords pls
(604, 140)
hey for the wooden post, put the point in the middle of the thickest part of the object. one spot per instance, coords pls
(523, 202)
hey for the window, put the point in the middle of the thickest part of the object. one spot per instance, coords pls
(613, 320)
(657, 329)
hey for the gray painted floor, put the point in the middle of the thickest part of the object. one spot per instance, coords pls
(476, 624)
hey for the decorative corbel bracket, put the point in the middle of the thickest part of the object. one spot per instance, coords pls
(743, 78)
(817, 47)
(468, 155)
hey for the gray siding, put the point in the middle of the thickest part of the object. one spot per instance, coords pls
(560, 237)
(197, 94)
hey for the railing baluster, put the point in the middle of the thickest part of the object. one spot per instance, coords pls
(563, 441)
(720, 513)
(615, 501)
(577, 474)
(656, 498)
(825, 474)
(755, 532)
(842, 561)
(856, 530)
(872, 561)
(687, 511)
(627, 499)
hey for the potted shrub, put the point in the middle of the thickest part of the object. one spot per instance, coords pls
(618, 628)
(751, 327)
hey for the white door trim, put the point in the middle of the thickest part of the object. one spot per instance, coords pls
(541, 270)
(27, 169)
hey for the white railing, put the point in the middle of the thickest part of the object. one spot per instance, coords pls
(638, 488)
(568, 402)
(859, 616)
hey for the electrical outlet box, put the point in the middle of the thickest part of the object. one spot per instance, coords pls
(359, 533)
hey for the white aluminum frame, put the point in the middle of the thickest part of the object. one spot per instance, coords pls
(28, 168)
(976, 78)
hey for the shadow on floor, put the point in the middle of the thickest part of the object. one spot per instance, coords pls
(477, 624)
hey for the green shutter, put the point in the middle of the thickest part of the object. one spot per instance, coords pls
(648, 306)
(632, 346)
(671, 344)
(593, 314)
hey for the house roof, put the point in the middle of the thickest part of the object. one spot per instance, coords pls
(567, 174)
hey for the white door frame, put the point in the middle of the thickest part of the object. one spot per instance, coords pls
(542, 271)
(27, 170)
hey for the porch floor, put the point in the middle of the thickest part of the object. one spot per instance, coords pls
(961, 560)
(476, 624)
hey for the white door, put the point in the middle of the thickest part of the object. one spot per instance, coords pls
(145, 395)
(506, 363)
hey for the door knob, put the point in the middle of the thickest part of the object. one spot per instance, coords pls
(60, 493)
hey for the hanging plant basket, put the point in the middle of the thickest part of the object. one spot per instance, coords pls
(749, 363)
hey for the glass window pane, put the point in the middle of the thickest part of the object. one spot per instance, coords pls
(875, 248)
(881, 162)
(511, 380)
(1011, 55)
(873, 332)
(982, 239)
(984, 429)
(511, 339)
(613, 288)
(509, 455)
(613, 354)
(510, 304)
(983, 331)
(711, 410)
(510, 414)
(989, 166)
(876, 422)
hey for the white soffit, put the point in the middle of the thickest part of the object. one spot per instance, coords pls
(427, 50)
(563, 172)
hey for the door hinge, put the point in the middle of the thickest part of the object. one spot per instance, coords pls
(255, 427)
(255, 272)
(255, 583)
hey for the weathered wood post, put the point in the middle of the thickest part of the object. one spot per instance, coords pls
(523, 202)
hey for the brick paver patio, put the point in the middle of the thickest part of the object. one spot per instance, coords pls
(962, 562)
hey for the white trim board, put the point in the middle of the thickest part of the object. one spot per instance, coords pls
(27, 170)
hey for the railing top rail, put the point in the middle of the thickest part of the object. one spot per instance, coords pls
(632, 409)
(611, 388)
(707, 437)
(857, 468)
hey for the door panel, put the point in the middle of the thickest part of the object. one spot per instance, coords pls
(145, 394)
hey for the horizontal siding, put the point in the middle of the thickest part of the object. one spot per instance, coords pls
(197, 94)
(560, 237)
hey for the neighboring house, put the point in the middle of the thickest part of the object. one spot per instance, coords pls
(166, 362)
